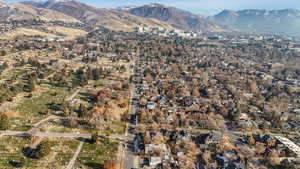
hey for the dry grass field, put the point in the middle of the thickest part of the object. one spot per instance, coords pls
(56, 32)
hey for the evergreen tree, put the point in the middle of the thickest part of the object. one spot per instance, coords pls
(30, 86)
(89, 73)
(83, 80)
(3, 53)
(4, 122)
(94, 138)
(82, 111)
(286, 164)
(96, 74)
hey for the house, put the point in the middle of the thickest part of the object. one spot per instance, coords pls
(284, 116)
(297, 111)
(154, 161)
(151, 106)
(150, 148)
(222, 160)
(247, 124)
(268, 139)
(137, 142)
(210, 138)
(163, 100)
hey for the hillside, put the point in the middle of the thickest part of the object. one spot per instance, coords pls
(113, 19)
(176, 17)
(19, 11)
(285, 21)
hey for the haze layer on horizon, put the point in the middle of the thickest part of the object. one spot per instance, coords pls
(206, 7)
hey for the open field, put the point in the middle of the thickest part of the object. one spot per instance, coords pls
(31, 110)
(11, 153)
(54, 32)
(95, 155)
(27, 32)
(68, 33)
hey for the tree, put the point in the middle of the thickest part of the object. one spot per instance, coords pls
(4, 122)
(30, 86)
(89, 73)
(3, 53)
(125, 86)
(4, 66)
(83, 79)
(253, 86)
(286, 164)
(82, 111)
(234, 115)
(72, 122)
(94, 138)
(65, 108)
(96, 74)
(110, 164)
(43, 149)
(19, 163)
(250, 140)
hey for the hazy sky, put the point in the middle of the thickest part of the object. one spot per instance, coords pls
(201, 6)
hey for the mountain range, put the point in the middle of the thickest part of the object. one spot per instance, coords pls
(154, 15)
(19, 11)
(285, 21)
(176, 17)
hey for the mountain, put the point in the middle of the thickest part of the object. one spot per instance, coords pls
(126, 8)
(176, 17)
(285, 21)
(19, 11)
(112, 19)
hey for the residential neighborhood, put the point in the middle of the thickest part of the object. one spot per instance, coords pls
(172, 92)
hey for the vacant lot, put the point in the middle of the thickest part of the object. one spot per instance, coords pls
(95, 155)
(11, 152)
(31, 110)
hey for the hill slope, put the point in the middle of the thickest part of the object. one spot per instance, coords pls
(178, 18)
(113, 19)
(18, 11)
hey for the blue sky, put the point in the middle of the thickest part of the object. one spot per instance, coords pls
(200, 6)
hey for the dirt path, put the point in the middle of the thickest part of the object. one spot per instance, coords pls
(39, 124)
(74, 158)
(69, 99)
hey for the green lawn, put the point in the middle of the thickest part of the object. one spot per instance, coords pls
(66, 151)
(11, 151)
(30, 109)
(39, 104)
(96, 154)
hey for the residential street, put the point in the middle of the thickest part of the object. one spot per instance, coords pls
(131, 160)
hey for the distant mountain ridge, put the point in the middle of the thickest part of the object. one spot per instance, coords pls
(286, 21)
(19, 11)
(126, 18)
(176, 17)
(112, 19)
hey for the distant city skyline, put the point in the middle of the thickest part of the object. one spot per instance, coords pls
(205, 7)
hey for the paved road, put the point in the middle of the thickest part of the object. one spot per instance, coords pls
(66, 135)
(39, 124)
(74, 158)
(130, 159)
(291, 145)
